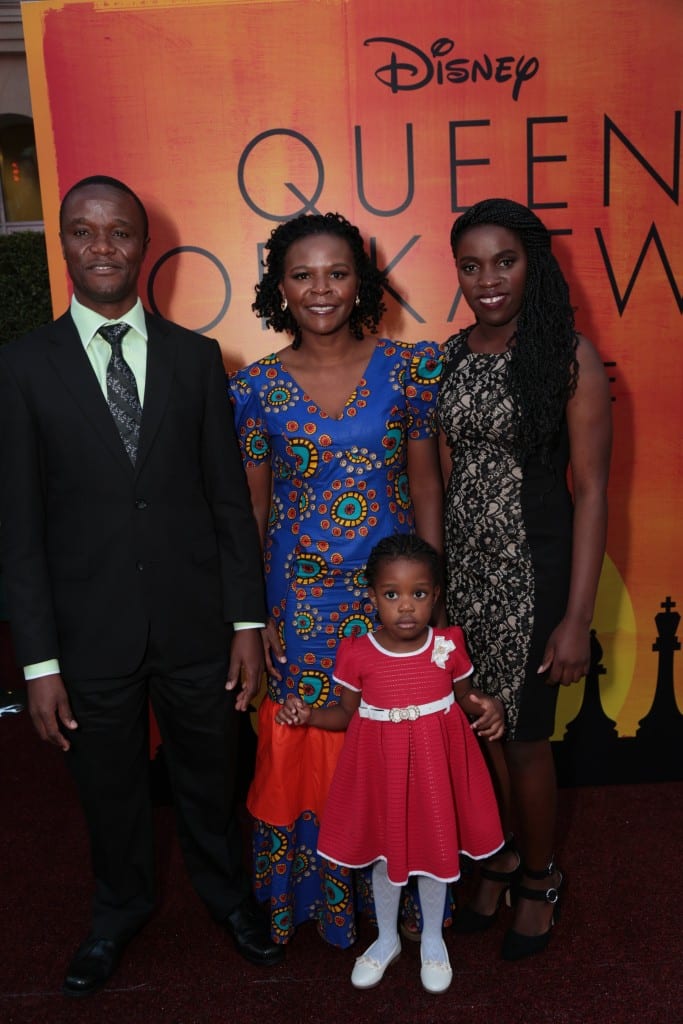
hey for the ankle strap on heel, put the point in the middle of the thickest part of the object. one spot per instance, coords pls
(550, 895)
(507, 877)
(548, 870)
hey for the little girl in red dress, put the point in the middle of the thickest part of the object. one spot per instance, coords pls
(411, 790)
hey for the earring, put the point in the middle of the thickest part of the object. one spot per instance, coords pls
(358, 300)
(283, 304)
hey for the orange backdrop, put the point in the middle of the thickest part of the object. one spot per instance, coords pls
(227, 117)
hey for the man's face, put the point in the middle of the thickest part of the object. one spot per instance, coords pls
(104, 244)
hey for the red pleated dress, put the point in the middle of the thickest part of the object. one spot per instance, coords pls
(413, 793)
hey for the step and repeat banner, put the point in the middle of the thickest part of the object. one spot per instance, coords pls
(230, 117)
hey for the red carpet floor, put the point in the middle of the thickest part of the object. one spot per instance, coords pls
(616, 955)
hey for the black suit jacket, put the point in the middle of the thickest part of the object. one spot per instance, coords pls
(97, 554)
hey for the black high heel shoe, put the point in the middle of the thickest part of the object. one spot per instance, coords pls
(468, 921)
(517, 946)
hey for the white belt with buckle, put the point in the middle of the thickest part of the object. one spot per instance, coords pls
(407, 714)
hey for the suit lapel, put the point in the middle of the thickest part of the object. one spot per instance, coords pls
(161, 357)
(72, 365)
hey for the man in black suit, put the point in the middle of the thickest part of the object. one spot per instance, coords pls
(133, 573)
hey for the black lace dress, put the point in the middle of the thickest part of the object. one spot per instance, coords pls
(508, 538)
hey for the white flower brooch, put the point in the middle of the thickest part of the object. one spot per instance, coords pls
(442, 648)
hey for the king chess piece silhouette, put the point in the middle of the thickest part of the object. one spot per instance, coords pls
(659, 737)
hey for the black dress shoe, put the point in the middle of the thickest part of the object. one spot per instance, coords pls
(92, 966)
(250, 930)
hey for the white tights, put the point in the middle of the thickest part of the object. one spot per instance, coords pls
(387, 899)
(432, 902)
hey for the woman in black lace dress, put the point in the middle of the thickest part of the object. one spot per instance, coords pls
(523, 397)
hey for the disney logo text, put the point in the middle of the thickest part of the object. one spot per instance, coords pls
(418, 68)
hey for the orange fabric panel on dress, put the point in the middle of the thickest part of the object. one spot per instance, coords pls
(294, 768)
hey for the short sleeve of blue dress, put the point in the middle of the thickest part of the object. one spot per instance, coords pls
(420, 383)
(249, 420)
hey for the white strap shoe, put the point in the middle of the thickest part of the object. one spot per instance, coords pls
(368, 971)
(436, 975)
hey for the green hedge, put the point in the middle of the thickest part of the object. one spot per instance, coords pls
(25, 300)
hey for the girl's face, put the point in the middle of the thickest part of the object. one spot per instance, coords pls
(492, 264)
(320, 283)
(404, 594)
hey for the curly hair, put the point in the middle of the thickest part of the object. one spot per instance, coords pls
(402, 545)
(366, 314)
(543, 368)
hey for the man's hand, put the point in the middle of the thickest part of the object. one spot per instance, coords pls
(49, 707)
(246, 665)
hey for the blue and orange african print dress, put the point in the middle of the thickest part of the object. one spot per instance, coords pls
(339, 485)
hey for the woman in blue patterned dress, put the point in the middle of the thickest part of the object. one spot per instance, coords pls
(339, 441)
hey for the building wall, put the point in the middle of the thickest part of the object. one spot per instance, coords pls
(20, 204)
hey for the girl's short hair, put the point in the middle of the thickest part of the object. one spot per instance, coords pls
(402, 545)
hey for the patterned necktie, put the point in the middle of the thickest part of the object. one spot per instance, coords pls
(122, 391)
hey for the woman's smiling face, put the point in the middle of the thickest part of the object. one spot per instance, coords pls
(320, 283)
(492, 268)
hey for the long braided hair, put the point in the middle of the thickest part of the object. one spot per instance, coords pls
(543, 368)
(366, 314)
